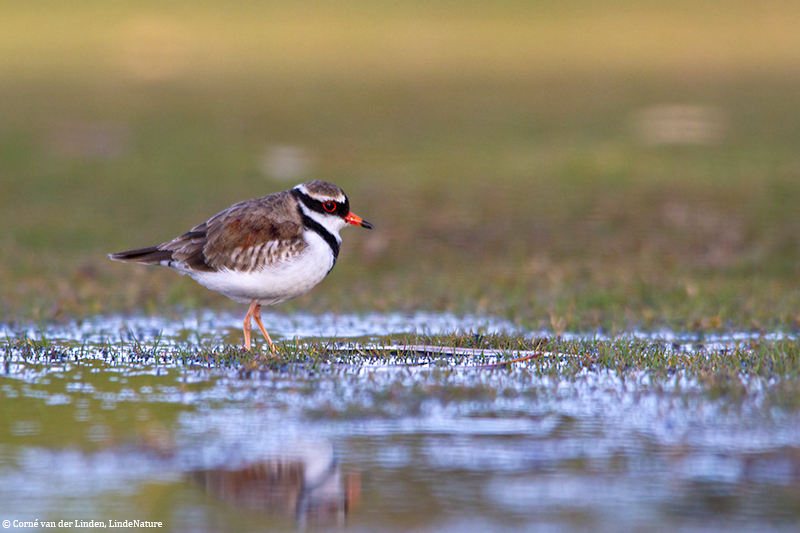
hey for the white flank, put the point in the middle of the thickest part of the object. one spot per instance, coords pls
(277, 283)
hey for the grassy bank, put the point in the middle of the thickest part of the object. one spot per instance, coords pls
(567, 167)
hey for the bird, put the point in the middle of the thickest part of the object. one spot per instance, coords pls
(262, 251)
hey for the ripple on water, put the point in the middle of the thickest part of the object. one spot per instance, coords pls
(618, 451)
(204, 324)
(607, 446)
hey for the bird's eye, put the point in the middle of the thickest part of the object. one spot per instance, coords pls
(330, 207)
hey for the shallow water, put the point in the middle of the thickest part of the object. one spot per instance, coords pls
(206, 325)
(381, 448)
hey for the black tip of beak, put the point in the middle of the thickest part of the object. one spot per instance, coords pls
(365, 224)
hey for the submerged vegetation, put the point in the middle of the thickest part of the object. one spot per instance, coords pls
(717, 367)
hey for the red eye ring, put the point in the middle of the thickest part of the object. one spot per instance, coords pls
(330, 207)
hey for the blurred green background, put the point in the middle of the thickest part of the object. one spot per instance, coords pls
(569, 165)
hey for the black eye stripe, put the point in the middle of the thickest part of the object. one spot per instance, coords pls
(316, 227)
(342, 208)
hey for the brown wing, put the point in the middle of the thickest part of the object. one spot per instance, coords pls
(244, 237)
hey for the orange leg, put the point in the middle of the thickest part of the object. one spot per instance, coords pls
(257, 316)
(248, 324)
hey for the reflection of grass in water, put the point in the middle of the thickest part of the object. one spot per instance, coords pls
(560, 358)
(495, 186)
(763, 367)
(646, 424)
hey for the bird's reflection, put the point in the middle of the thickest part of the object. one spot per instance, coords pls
(306, 484)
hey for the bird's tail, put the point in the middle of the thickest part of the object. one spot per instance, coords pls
(147, 256)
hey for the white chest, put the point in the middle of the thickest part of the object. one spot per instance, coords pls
(275, 283)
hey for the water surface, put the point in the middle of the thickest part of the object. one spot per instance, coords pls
(380, 448)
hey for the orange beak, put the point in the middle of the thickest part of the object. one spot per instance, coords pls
(356, 220)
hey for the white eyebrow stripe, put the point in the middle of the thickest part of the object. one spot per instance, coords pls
(338, 198)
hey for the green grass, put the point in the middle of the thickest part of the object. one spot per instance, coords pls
(751, 358)
(496, 150)
(769, 369)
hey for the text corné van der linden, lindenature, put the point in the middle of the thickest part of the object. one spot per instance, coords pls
(89, 523)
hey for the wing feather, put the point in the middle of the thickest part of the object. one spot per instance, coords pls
(245, 237)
